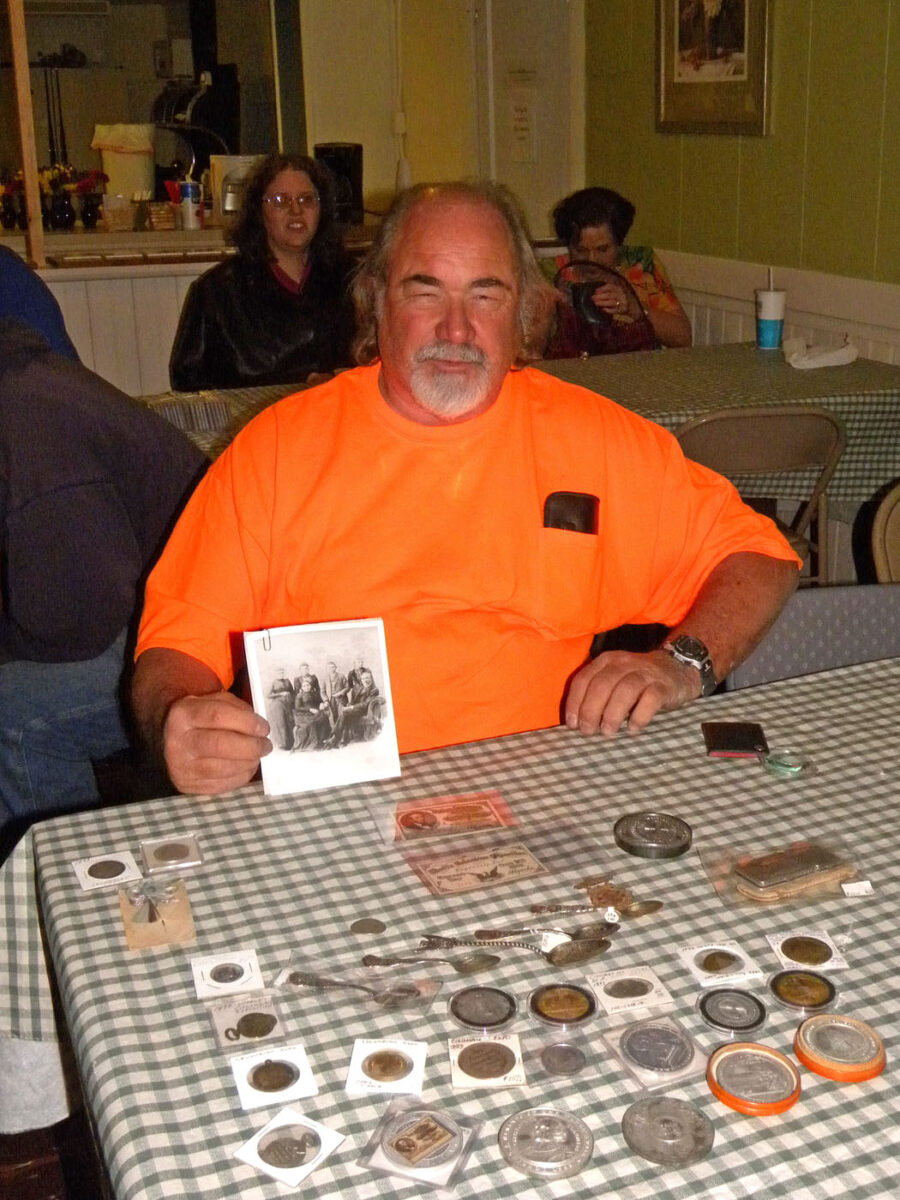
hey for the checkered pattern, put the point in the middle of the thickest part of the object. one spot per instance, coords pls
(212, 418)
(673, 386)
(288, 875)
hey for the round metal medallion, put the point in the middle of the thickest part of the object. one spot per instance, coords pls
(562, 1004)
(656, 1047)
(811, 951)
(252, 1025)
(670, 1132)
(368, 925)
(273, 1075)
(482, 1007)
(718, 962)
(546, 1143)
(486, 1060)
(107, 868)
(171, 852)
(802, 991)
(652, 835)
(627, 989)
(421, 1137)
(387, 1066)
(288, 1146)
(732, 1010)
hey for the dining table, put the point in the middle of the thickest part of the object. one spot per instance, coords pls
(314, 881)
(672, 386)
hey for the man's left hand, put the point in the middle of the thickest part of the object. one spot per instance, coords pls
(620, 688)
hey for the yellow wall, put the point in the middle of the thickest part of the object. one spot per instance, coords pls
(821, 191)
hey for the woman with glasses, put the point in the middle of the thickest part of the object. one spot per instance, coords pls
(278, 311)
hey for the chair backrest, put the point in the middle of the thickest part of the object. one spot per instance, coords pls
(768, 441)
(886, 537)
(825, 627)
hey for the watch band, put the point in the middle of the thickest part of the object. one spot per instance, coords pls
(692, 652)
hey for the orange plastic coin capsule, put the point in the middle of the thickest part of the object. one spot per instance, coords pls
(753, 1079)
(839, 1048)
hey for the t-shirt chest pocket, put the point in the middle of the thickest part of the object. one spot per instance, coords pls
(567, 584)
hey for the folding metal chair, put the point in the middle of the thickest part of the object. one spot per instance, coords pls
(766, 441)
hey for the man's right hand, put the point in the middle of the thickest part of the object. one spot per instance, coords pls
(213, 743)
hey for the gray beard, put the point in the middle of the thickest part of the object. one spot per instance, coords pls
(448, 395)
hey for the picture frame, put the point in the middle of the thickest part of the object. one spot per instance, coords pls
(713, 68)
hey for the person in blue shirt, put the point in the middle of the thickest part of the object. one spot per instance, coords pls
(25, 297)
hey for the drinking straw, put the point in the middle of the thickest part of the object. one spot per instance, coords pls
(770, 279)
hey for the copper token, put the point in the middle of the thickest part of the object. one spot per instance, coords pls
(486, 1060)
(368, 925)
(171, 852)
(226, 972)
(288, 1146)
(802, 991)
(811, 951)
(107, 868)
(252, 1025)
(273, 1075)
(562, 1004)
(717, 962)
(627, 989)
(387, 1066)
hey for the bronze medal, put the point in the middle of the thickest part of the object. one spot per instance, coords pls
(252, 1025)
(288, 1146)
(486, 1060)
(107, 868)
(562, 1004)
(273, 1075)
(803, 990)
(811, 951)
(717, 962)
(627, 989)
(387, 1066)
(171, 852)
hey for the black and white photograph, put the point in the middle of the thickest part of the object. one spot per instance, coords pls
(325, 691)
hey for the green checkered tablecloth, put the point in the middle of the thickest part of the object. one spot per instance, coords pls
(290, 874)
(673, 386)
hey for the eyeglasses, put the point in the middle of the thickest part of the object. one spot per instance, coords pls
(285, 200)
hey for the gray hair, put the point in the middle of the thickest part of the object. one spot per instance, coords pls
(536, 297)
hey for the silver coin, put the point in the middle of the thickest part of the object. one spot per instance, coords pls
(834, 1039)
(670, 1132)
(656, 1047)
(482, 1007)
(563, 1059)
(421, 1137)
(652, 835)
(755, 1076)
(732, 1010)
(545, 1143)
(627, 989)
(288, 1146)
(368, 925)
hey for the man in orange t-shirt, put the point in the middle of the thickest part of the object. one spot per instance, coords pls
(493, 517)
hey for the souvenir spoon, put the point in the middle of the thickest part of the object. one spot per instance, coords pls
(465, 964)
(392, 997)
(581, 933)
(565, 954)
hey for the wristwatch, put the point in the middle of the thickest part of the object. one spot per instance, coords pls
(691, 651)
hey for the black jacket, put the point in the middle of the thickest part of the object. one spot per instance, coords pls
(239, 327)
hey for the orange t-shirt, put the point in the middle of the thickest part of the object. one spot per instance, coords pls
(330, 506)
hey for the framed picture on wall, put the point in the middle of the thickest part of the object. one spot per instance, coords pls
(712, 66)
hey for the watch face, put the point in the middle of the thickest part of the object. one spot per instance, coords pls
(690, 647)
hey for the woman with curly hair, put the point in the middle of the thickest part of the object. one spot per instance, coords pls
(278, 311)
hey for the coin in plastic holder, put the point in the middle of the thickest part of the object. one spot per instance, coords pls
(482, 1008)
(672, 1133)
(563, 1058)
(656, 1051)
(546, 1143)
(386, 1066)
(806, 949)
(732, 1010)
(173, 853)
(803, 992)
(652, 835)
(420, 1142)
(562, 1005)
(752, 1079)
(839, 1048)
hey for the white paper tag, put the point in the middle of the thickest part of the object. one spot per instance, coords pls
(714, 964)
(390, 1066)
(290, 1147)
(273, 1076)
(858, 887)
(106, 870)
(630, 988)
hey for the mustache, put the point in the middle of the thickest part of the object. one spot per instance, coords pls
(450, 352)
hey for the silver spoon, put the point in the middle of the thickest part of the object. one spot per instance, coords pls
(563, 955)
(588, 932)
(393, 997)
(465, 964)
